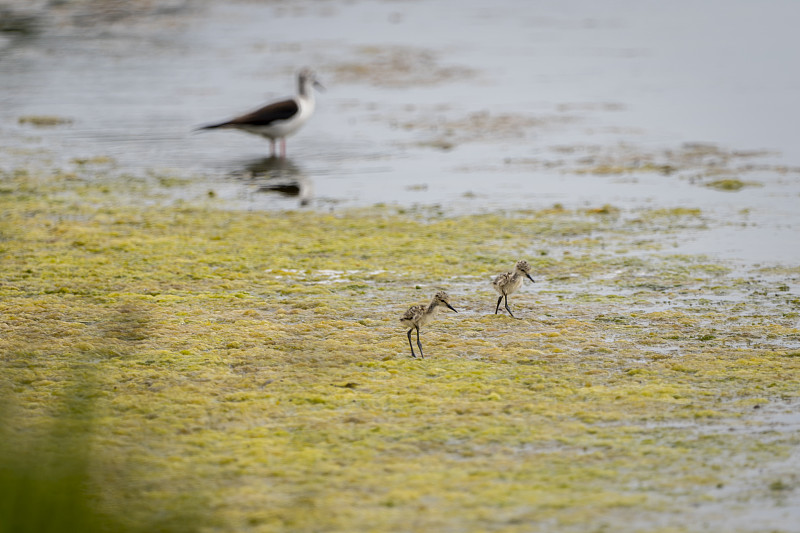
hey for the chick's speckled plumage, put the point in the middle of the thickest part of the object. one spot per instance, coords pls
(419, 315)
(510, 282)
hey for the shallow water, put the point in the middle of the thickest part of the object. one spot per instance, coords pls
(514, 106)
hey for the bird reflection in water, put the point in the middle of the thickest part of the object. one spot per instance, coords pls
(281, 176)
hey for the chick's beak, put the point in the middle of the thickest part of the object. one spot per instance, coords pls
(451, 307)
(530, 278)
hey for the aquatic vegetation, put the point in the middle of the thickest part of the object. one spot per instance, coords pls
(730, 184)
(707, 164)
(44, 120)
(254, 361)
(398, 66)
(444, 131)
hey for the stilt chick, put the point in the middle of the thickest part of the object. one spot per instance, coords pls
(509, 282)
(419, 315)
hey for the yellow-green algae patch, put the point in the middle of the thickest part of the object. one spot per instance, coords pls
(44, 120)
(731, 184)
(254, 362)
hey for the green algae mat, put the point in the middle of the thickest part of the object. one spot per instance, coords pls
(181, 366)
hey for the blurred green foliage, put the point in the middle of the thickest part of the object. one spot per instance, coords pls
(46, 476)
